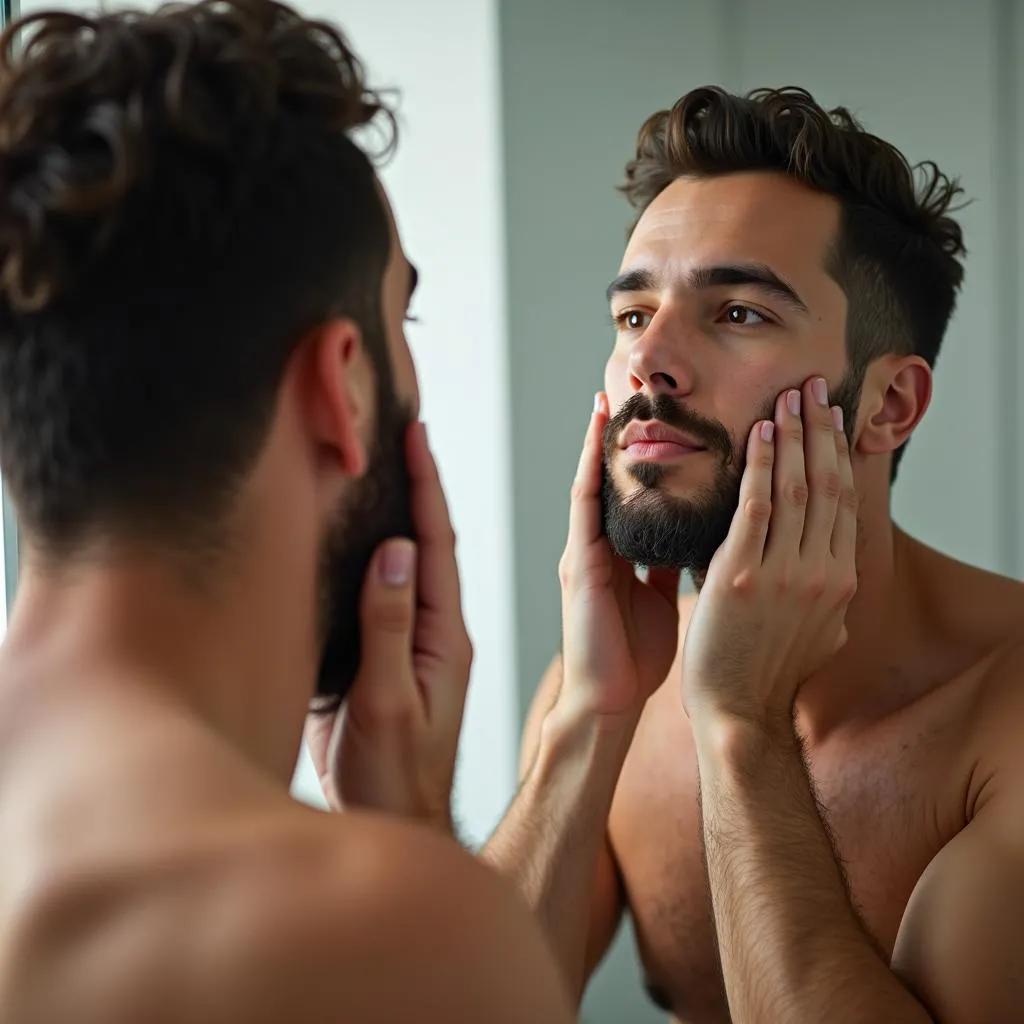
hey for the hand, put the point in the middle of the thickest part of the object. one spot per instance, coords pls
(619, 634)
(773, 606)
(392, 747)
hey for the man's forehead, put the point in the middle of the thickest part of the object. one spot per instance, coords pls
(760, 217)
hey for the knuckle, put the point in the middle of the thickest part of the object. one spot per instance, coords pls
(848, 587)
(765, 460)
(744, 583)
(795, 493)
(576, 492)
(849, 499)
(394, 616)
(389, 713)
(758, 511)
(815, 586)
(794, 433)
(564, 573)
(830, 485)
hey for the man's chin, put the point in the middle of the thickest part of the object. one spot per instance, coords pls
(658, 527)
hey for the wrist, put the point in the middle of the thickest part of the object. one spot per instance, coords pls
(741, 741)
(581, 753)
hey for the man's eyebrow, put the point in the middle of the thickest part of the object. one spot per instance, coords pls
(755, 275)
(631, 281)
(414, 280)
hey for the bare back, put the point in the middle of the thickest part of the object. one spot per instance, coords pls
(149, 873)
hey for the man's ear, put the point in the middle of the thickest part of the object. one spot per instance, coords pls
(340, 392)
(896, 393)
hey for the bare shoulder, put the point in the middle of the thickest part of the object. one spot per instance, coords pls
(377, 920)
(994, 727)
(984, 608)
(297, 916)
(999, 697)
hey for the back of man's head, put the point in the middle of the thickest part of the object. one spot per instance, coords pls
(180, 199)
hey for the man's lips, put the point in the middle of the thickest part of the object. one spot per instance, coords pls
(650, 439)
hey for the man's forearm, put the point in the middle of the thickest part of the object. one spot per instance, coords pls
(792, 946)
(550, 840)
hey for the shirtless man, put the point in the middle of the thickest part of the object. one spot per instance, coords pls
(207, 423)
(803, 830)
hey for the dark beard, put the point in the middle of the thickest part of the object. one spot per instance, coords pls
(652, 528)
(380, 507)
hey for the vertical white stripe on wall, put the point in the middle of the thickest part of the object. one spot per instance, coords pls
(445, 186)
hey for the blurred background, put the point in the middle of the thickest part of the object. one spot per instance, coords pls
(517, 119)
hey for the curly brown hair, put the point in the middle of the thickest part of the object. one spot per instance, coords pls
(180, 201)
(898, 253)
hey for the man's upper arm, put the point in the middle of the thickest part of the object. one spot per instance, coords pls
(960, 947)
(608, 900)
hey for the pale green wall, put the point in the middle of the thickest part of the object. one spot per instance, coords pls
(578, 80)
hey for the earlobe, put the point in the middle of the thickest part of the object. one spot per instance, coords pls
(897, 392)
(339, 393)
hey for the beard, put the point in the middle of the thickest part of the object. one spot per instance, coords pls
(652, 528)
(379, 507)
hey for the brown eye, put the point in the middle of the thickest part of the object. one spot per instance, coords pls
(744, 316)
(633, 320)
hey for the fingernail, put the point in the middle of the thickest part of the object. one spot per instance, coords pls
(793, 401)
(837, 417)
(820, 390)
(597, 402)
(767, 431)
(396, 562)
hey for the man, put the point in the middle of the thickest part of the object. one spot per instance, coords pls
(207, 424)
(802, 828)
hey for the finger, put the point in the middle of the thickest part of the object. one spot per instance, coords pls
(822, 464)
(585, 509)
(438, 586)
(789, 480)
(385, 685)
(844, 532)
(744, 546)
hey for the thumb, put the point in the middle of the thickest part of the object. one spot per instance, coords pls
(387, 618)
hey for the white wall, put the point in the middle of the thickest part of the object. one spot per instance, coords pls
(445, 185)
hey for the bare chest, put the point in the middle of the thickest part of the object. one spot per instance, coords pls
(890, 803)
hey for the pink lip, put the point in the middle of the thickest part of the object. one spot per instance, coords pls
(652, 441)
(657, 451)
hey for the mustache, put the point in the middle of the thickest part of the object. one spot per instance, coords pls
(713, 434)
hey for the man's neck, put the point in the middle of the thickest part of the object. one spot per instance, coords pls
(882, 633)
(215, 651)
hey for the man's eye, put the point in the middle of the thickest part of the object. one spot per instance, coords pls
(632, 320)
(744, 316)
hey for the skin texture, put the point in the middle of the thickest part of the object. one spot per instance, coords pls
(155, 867)
(862, 859)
